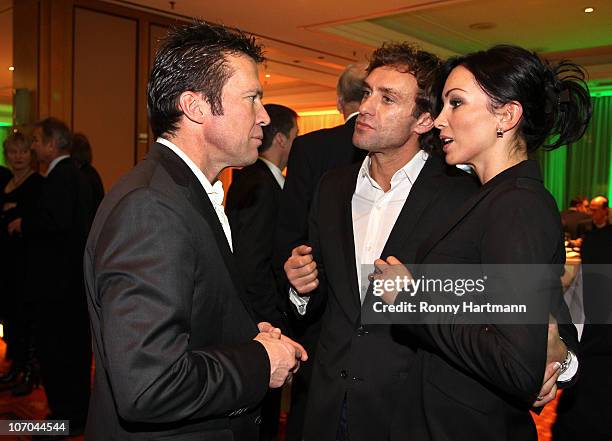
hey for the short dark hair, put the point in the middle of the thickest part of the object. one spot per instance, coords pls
(555, 98)
(54, 130)
(193, 57)
(350, 84)
(282, 120)
(81, 149)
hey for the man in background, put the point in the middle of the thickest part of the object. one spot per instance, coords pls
(252, 210)
(574, 215)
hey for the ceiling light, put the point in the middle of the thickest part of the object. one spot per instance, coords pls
(12, 68)
(268, 75)
(589, 10)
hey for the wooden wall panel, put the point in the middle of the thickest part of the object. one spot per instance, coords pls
(105, 88)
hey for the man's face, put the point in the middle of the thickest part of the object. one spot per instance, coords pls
(599, 212)
(43, 151)
(238, 132)
(385, 120)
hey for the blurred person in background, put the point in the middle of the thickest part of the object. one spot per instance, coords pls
(18, 195)
(82, 156)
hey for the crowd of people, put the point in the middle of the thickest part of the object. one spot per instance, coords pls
(200, 313)
(45, 218)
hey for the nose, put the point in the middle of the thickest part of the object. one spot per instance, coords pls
(366, 107)
(440, 121)
(263, 119)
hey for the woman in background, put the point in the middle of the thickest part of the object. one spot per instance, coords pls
(16, 197)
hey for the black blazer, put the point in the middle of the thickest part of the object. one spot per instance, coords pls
(173, 347)
(477, 382)
(365, 364)
(580, 409)
(252, 210)
(56, 228)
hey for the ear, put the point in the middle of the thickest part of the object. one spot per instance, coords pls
(280, 139)
(193, 106)
(510, 115)
(424, 123)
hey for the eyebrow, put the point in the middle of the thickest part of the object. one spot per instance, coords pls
(454, 88)
(388, 90)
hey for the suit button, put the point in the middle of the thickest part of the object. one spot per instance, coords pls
(343, 373)
(258, 419)
(361, 331)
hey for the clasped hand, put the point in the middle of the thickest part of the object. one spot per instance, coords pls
(284, 354)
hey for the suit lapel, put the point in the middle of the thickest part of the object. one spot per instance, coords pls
(345, 214)
(198, 198)
(266, 170)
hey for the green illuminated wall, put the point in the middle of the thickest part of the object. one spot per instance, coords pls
(585, 167)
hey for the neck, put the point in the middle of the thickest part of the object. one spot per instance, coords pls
(498, 160)
(383, 165)
(20, 174)
(204, 159)
(274, 156)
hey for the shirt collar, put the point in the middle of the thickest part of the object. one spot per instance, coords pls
(55, 162)
(409, 171)
(352, 115)
(276, 172)
(215, 191)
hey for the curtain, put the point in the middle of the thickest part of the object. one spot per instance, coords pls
(583, 168)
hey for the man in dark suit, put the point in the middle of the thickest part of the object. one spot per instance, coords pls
(57, 228)
(252, 210)
(581, 409)
(573, 216)
(311, 156)
(178, 353)
(384, 206)
(598, 212)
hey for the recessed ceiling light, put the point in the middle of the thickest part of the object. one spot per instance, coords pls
(589, 10)
(482, 26)
(12, 68)
(268, 75)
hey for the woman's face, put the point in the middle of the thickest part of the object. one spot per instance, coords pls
(467, 124)
(18, 157)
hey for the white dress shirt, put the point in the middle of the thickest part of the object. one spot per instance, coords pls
(215, 192)
(276, 172)
(53, 163)
(375, 212)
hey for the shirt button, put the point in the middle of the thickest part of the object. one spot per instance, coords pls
(258, 419)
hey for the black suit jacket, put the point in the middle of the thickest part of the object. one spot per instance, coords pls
(365, 363)
(252, 210)
(173, 347)
(56, 228)
(477, 382)
(580, 410)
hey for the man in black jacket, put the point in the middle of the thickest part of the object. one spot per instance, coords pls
(252, 210)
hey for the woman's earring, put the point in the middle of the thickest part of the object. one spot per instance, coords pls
(499, 132)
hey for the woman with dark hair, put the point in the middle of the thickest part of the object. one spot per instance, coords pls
(17, 196)
(479, 381)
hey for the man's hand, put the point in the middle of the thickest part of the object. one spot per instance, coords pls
(389, 269)
(14, 226)
(284, 354)
(301, 270)
(549, 387)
